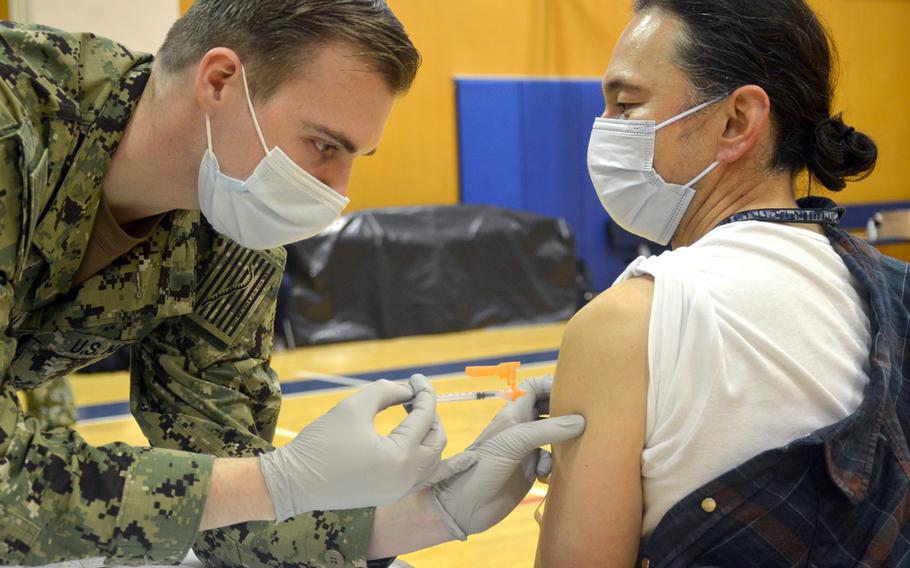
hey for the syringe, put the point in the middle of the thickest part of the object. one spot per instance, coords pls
(478, 395)
(504, 371)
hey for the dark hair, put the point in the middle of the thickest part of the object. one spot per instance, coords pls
(781, 46)
(273, 37)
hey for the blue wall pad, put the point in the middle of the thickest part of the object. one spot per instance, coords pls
(523, 144)
(857, 214)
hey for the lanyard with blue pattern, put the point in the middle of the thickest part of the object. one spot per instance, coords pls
(830, 216)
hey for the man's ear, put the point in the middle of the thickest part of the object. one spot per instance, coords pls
(748, 112)
(217, 72)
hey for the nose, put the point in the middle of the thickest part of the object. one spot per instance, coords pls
(338, 177)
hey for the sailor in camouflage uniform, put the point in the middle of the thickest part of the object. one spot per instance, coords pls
(77, 283)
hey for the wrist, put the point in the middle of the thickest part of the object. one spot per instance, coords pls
(253, 483)
(237, 494)
(274, 471)
(409, 525)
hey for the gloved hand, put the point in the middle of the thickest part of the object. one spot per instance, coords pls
(508, 459)
(341, 462)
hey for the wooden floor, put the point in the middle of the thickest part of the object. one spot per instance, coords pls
(512, 543)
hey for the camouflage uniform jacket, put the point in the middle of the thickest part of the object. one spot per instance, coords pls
(196, 309)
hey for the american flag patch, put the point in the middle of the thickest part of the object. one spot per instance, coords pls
(231, 290)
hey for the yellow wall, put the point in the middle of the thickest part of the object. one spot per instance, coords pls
(4, 9)
(417, 162)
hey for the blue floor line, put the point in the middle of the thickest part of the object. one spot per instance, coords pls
(107, 410)
(305, 384)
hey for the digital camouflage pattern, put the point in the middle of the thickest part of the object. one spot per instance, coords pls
(52, 404)
(196, 308)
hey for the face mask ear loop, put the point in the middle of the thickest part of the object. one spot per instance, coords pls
(689, 112)
(208, 132)
(249, 102)
(701, 176)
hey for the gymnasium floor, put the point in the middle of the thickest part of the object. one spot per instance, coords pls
(316, 378)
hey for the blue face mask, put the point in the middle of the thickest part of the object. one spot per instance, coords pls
(621, 164)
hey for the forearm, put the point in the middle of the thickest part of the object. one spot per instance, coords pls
(237, 494)
(409, 525)
(234, 426)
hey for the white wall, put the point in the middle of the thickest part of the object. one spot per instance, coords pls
(138, 24)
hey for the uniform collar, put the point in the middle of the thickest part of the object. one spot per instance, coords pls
(177, 286)
(63, 231)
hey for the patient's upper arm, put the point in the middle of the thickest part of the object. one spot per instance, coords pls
(594, 507)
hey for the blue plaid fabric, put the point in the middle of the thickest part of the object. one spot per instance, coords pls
(838, 497)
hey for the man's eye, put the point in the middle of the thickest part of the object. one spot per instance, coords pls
(618, 110)
(624, 108)
(324, 148)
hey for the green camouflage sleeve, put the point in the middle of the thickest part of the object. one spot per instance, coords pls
(52, 404)
(204, 384)
(61, 498)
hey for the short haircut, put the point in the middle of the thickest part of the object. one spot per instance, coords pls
(274, 38)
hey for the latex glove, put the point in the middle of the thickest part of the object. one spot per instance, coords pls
(341, 462)
(508, 460)
(526, 409)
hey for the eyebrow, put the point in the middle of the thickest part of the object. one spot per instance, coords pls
(337, 137)
(622, 84)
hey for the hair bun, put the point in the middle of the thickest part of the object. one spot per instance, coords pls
(839, 153)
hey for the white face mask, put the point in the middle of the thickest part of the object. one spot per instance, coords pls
(280, 203)
(621, 163)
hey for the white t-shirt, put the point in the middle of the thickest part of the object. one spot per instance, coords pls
(758, 336)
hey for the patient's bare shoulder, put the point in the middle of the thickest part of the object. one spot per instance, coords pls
(630, 299)
(594, 507)
(609, 334)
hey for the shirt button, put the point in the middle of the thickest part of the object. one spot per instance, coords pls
(709, 505)
(334, 558)
(645, 563)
